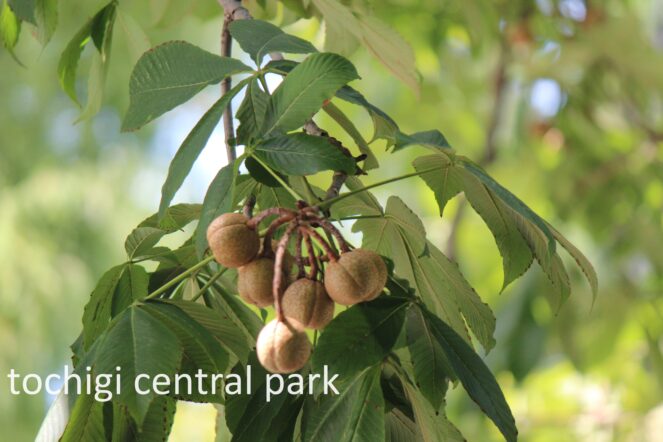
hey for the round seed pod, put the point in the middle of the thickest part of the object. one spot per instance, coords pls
(357, 276)
(282, 346)
(254, 282)
(232, 243)
(307, 301)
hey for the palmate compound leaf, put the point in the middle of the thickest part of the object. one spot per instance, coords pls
(302, 154)
(193, 145)
(360, 337)
(473, 374)
(355, 414)
(169, 75)
(519, 232)
(140, 344)
(400, 235)
(304, 91)
(258, 38)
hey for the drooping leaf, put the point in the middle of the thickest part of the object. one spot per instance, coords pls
(258, 38)
(230, 307)
(580, 259)
(218, 200)
(430, 138)
(141, 345)
(433, 425)
(251, 113)
(360, 337)
(337, 39)
(476, 378)
(10, 28)
(444, 179)
(512, 201)
(46, 19)
(192, 146)
(169, 75)
(400, 428)
(432, 371)
(100, 27)
(302, 154)
(516, 255)
(371, 162)
(305, 89)
(384, 126)
(355, 414)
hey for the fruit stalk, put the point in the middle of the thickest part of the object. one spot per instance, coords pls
(278, 269)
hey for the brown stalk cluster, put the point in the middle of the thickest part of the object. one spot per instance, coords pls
(303, 288)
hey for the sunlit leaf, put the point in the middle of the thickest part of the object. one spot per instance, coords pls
(258, 38)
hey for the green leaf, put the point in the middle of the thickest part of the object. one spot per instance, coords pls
(476, 378)
(98, 311)
(192, 146)
(68, 64)
(512, 201)
(371, 161)
(220, 325)
(86, 421)
(142, 239)
(384, 126)
(400, 236)
(99, 28)
(380, 40)
(430, 138)
(46, 18)
(251, 113)
(139, 344)
(432, 371)
(516, 255)
(302, 154)
(218, 200)
(305, 89)
(231, 308)
(356, 414)
(24, 9)
(446, 182)
(433, 425)
(175, 217)
(362, 203)
(201, 349)
(171, 74)
(580, 259)
(258, 38)
(360, 336)
(477, 314)
(131, 287)
(10, 28)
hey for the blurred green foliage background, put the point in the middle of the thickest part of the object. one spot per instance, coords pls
(560, 99)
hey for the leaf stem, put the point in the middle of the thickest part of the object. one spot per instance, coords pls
(179, 278)
(280, 180)
(331, 201)
(208, 284)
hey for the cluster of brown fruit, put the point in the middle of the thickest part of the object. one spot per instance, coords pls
(303, 287)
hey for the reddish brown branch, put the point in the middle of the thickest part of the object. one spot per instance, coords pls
(312, 260)
(277, 282)
(331, 255)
